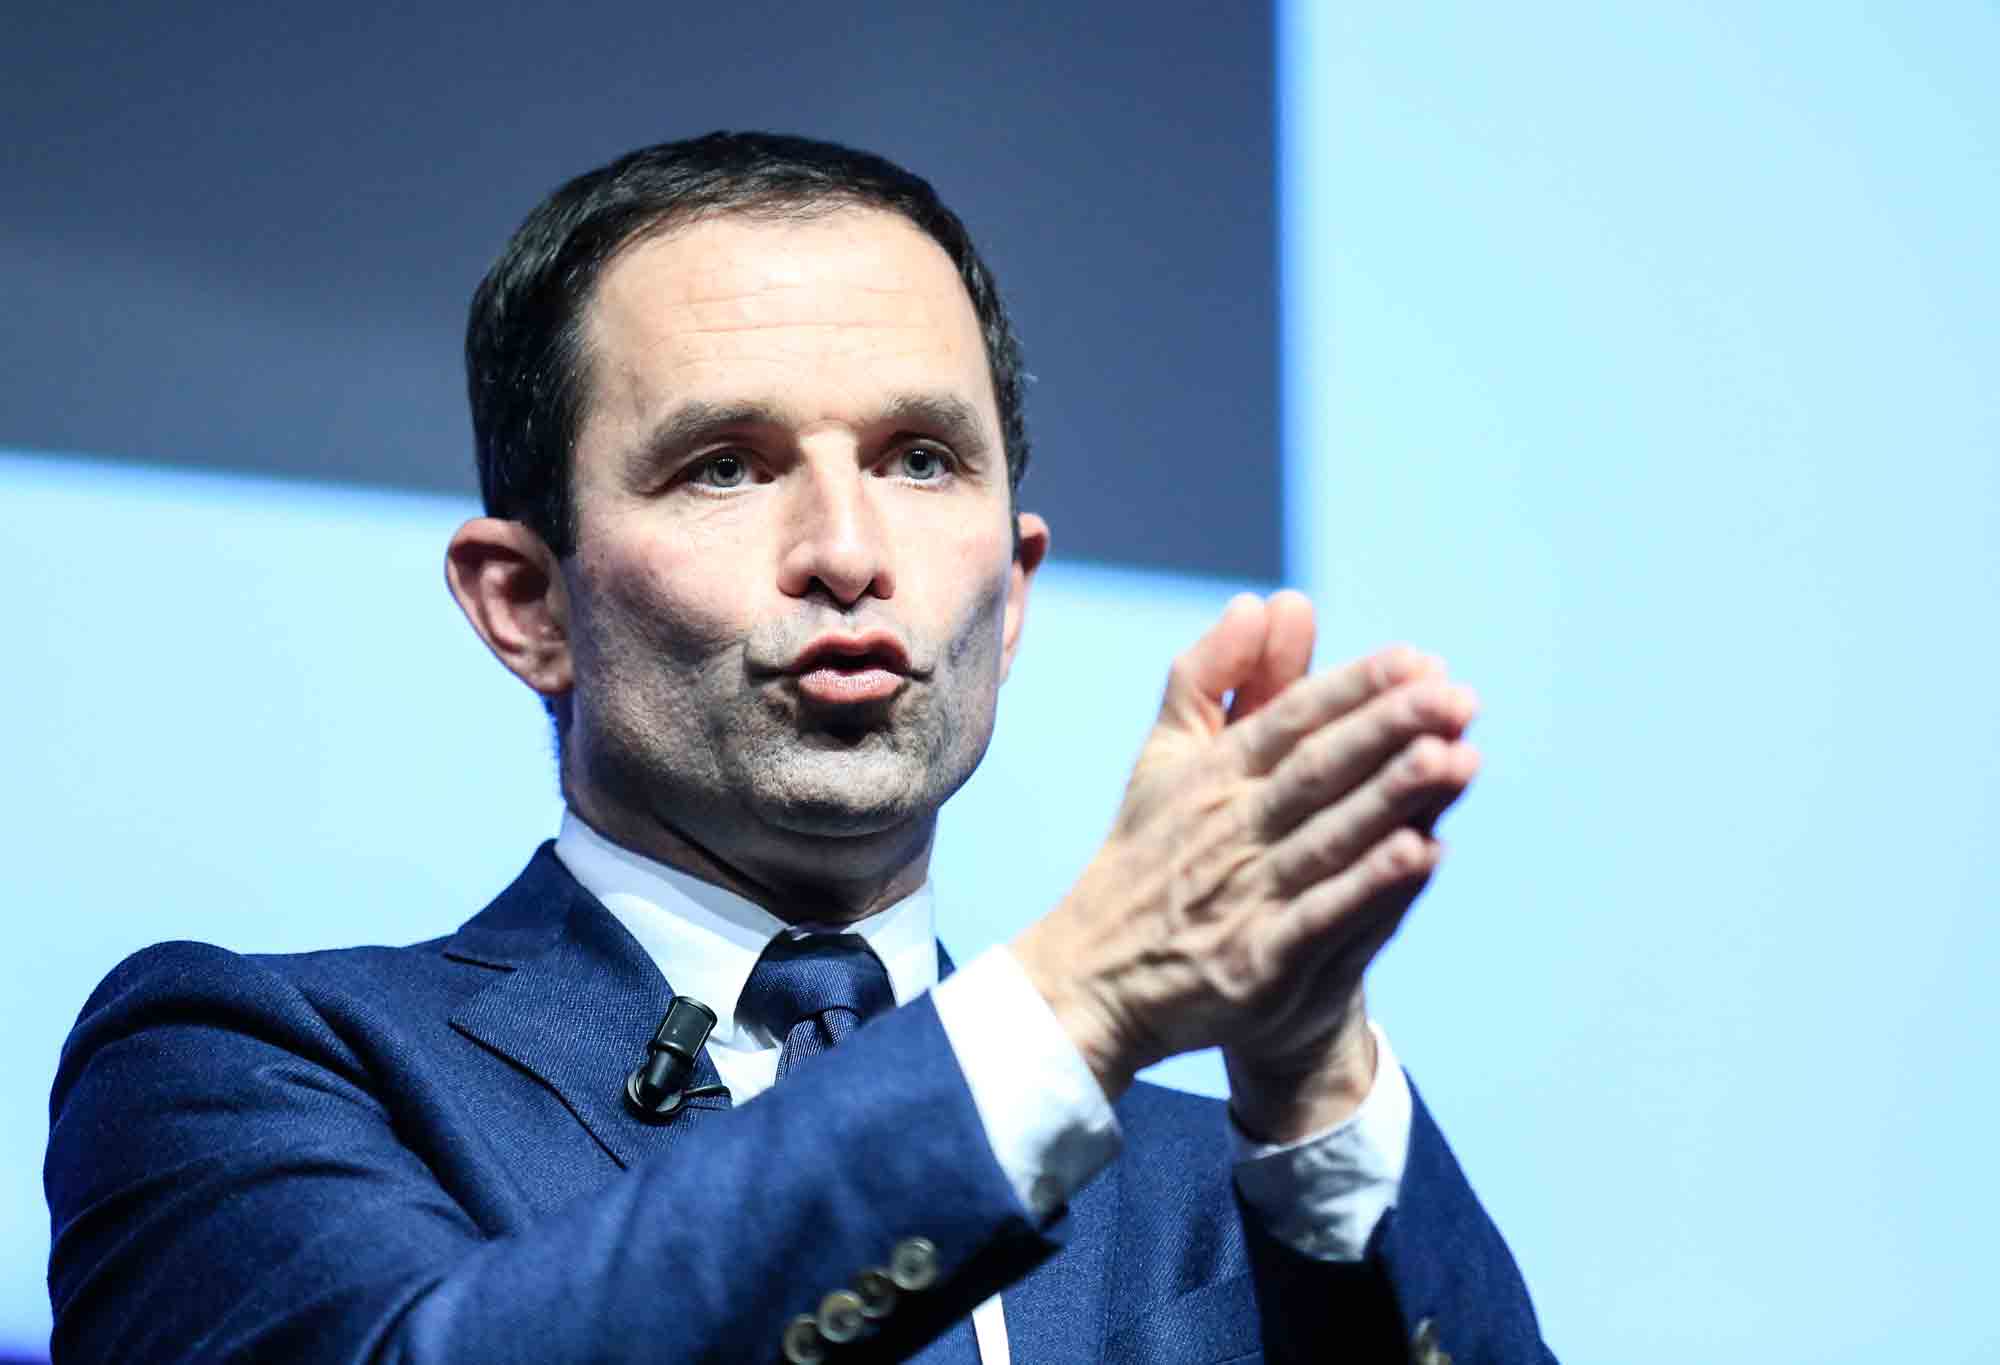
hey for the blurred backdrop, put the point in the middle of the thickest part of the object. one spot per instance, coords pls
(241, 235)
(1637, 360)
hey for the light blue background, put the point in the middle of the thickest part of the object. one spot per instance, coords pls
(1642, 360)
(1639, 361)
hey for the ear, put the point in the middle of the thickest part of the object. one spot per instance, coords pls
(1031, 549)
(507, 584)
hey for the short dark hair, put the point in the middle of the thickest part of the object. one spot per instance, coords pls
(524, 345)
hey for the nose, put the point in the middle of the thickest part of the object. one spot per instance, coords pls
(837, 540)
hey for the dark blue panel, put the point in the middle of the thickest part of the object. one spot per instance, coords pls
(243, 235)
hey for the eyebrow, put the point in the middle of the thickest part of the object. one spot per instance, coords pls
(946, 416)
(695, 421)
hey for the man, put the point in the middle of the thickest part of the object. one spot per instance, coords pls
(748, 413)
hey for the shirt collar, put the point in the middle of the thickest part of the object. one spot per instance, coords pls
(705, 939)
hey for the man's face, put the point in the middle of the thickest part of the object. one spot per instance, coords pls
(794, 594)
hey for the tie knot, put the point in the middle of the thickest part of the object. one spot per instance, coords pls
(801, 980)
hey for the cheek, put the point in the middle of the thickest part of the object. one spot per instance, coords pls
(984, 573)
(668, 598)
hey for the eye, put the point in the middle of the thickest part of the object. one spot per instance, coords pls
(924, 464)
(725, 469)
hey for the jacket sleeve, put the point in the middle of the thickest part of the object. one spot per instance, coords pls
(1437, 1273)
(226, 1183)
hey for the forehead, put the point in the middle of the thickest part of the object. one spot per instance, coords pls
(820, 313)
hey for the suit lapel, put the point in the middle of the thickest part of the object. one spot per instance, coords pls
(577, 1003)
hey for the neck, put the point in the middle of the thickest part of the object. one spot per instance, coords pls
(832, 882)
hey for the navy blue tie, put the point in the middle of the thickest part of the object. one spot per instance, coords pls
(813, 992)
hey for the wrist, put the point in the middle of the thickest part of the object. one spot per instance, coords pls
(1084, 1018)
(1288, 1098)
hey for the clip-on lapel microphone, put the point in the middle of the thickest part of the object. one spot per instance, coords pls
(655, 1089)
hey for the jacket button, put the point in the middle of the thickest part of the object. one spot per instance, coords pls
(840, 1317)
(877, 1292)
(803, 1343)
(913, 1264)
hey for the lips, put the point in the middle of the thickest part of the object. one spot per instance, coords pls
(849, 670)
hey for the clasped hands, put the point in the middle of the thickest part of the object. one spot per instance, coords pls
(1276, 828)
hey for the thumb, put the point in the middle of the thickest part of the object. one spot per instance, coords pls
(1213, 666)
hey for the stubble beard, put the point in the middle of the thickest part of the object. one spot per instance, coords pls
(768, 783)
(853, 772)
(762, 777)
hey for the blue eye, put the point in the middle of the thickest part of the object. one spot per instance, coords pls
(726, 470)
(925, 464)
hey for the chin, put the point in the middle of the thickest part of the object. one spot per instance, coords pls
(850, 793)
(845, 812)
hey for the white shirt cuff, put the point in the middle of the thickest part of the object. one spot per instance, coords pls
(1046, 1118)
(1324, 1194)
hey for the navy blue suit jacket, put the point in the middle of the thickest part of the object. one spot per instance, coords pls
(422, 1154)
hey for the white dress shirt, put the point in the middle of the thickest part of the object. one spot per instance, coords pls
(1045, 1116)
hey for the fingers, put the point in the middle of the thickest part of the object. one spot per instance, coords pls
(1219, 662)
(1336, 759)
(1354, 912)
(1412, 790)
(1288, 647)
(1308, 705)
